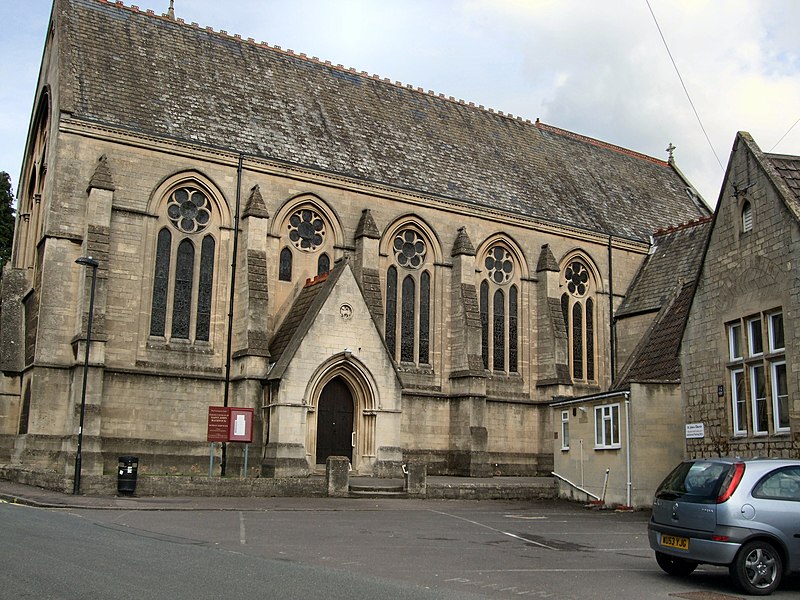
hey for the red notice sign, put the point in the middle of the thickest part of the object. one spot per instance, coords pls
(218, 419)
(230, 424)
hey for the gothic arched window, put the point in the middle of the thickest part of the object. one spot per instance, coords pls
(285, 265)
(747, 216)
(308, 242)
(323, 264)
(499, 310)
(183, 286)
(408, 304)
(578, 310)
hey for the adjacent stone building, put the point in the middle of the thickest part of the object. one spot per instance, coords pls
(617, 446)
(740, 347)
(377, 270)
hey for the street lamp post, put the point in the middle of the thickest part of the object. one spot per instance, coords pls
(86, 261)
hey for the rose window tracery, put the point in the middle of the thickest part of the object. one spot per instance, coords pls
(577, 277)
(409, 247)
(189, 209)
(306, 229)
(499, 265)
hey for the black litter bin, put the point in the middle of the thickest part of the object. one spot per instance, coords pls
(126, 474)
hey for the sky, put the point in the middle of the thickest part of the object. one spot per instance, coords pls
(600, 69)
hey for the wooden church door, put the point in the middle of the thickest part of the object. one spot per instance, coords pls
(335, 421)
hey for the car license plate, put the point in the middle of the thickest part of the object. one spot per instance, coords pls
(674, 541)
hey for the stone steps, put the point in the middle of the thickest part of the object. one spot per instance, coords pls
(377, 490)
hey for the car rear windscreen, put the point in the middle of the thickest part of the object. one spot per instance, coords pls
(694, 481)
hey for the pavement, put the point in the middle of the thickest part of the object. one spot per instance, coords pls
(18, 493)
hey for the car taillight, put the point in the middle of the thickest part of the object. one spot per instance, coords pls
(731, 482)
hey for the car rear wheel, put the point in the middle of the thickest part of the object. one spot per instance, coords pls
(675, 565)
(757, 568)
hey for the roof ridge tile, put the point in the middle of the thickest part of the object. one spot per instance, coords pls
(600, 143)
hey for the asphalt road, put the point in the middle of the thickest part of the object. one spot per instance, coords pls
(349, 549)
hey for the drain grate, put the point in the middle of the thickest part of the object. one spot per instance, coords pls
(705, 596)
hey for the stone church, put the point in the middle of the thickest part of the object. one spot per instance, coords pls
(379, 271)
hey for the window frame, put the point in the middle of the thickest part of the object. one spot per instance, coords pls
(753, 337)
(771, 328)
(747, 216)
(579, 310)
(565, 429)
(758, 403)
(410, 295)
(608, 413)
(739, 421)
(776, 409)
(735, 340)
(499, 307)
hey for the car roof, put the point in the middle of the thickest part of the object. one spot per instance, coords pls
(763, 460)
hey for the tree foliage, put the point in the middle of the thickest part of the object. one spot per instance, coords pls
(6, 218)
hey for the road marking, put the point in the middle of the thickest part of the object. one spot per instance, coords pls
(242, 538)
(513, 535)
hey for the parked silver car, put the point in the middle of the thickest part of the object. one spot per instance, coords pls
(741, 513)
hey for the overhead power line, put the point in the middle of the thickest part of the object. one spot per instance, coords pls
(784, 135)
(686, 91)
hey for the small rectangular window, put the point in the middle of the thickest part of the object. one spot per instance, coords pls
(606, 419)
(754, 339)
(565, 430)
(739, 400)
(735, 340)
(758, 393)
(780, 398)
(776, 342)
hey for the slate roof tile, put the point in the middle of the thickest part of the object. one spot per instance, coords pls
(161, 77)
(675, 255)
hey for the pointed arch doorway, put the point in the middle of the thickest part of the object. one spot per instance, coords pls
(335, 421)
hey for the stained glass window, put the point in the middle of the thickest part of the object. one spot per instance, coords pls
(182, 301)
(579, 319)
(410, 249)
(407, 320)
(577, 276)
(424, 316)
(205, 289)
(577, 341)
(499, 332)
(323, 264)
(158, 314)
(182, 297)
(484, 302)
(512, 329)
(285, 265)
(391, 310)
(306, 229)
(189, 209)
(589, 339)
(499, 266)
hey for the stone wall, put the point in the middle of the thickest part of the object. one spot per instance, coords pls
(746, 273)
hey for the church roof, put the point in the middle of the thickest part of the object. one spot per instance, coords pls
(153, 75)
(300, 318)
(676, 254)
(656, 358)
